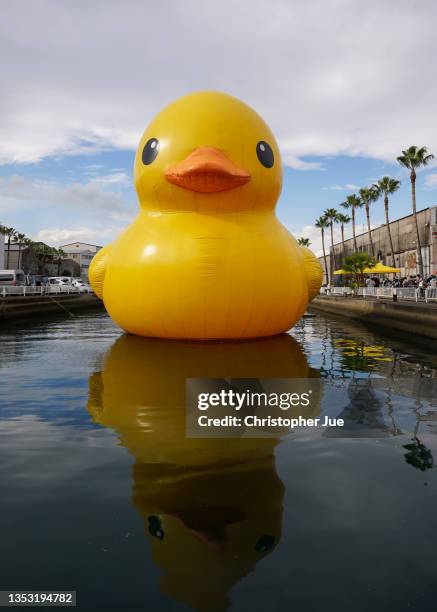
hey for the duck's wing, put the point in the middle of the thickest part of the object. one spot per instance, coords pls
(313, 270)
(96, 273)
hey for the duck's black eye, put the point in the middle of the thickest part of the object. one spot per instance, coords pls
(265, 154)
(265, 543)
(155, 527)
(150, 151)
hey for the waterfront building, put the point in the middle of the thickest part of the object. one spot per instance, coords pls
(2, 252)
(403, 232)
(33, 261)
(82, 253)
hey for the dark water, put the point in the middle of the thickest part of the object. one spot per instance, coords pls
(102, 493)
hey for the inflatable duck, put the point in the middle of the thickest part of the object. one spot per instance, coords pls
(212, 508)
(206, 257)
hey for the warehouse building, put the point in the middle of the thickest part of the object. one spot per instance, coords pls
(404, 239)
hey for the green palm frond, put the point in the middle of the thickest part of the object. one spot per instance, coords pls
(368, 195)
(414, 157)
(352, 201)
(343, 218)
(322, 222)
(387, 185)
(331, 215)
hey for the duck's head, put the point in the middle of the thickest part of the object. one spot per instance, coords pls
(208, 151)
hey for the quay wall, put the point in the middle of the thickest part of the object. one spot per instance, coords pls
(13, 307)
(411, 317)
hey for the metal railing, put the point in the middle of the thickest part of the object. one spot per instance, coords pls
(404, 293)
(341, 291)
(431, 294)
(23, 290)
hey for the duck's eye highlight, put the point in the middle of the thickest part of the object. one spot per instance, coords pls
(150, 151)
(265, 154)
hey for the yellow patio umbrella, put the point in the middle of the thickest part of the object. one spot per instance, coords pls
(341, 272)
(380, 268)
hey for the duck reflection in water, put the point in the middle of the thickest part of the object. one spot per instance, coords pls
(212, 507)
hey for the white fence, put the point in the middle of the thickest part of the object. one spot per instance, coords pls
(431, 294)
(43, 290)
(404, 293)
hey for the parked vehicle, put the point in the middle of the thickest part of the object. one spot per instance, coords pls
(12, 278)
(59, 284)
(59, 280)
(80, 284)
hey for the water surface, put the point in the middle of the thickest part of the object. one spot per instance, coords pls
(102, 493)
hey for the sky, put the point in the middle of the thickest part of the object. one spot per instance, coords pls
(345, 85)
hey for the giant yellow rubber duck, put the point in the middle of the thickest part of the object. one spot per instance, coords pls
(206, 257)
(212, 508)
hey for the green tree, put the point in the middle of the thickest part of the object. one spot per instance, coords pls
(304, 241)
(60, 255)
(332, 217)
(343, 220)
(351, 203)
(413, 158)
(10, 232)
(357, 263)
(3, 229)
(385, 187)
(369, 195)
(19, 239)
(43, 253)
(322, 223)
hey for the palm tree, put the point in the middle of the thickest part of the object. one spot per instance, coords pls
(19, 238)
(60, 254)
(10, 233)
(3, 229)
(322, 223)
(27, 242)
(413, 158)
(369, 195)
(304, 242)
(332, 217)
(386, 186)
(343, 219)
(353, 202)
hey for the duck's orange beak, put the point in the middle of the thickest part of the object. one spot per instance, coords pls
(207, 170)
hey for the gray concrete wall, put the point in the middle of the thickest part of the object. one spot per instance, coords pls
(36, 306)
(2, 252)
(409, 317)
(404, 243)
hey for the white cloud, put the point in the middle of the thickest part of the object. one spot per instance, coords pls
(339, 77)
(67, 212)
(59, 236)
(431, 181)
(300, 164)
(347, 187)
(18, 191)
(114, 178)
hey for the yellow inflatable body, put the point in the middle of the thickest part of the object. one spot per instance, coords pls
(212, 507)
(206, 257)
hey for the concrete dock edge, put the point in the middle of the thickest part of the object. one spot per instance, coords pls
(13, 307)
(411, 317)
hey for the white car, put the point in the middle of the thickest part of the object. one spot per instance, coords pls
(59, 284)
(81, 285)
